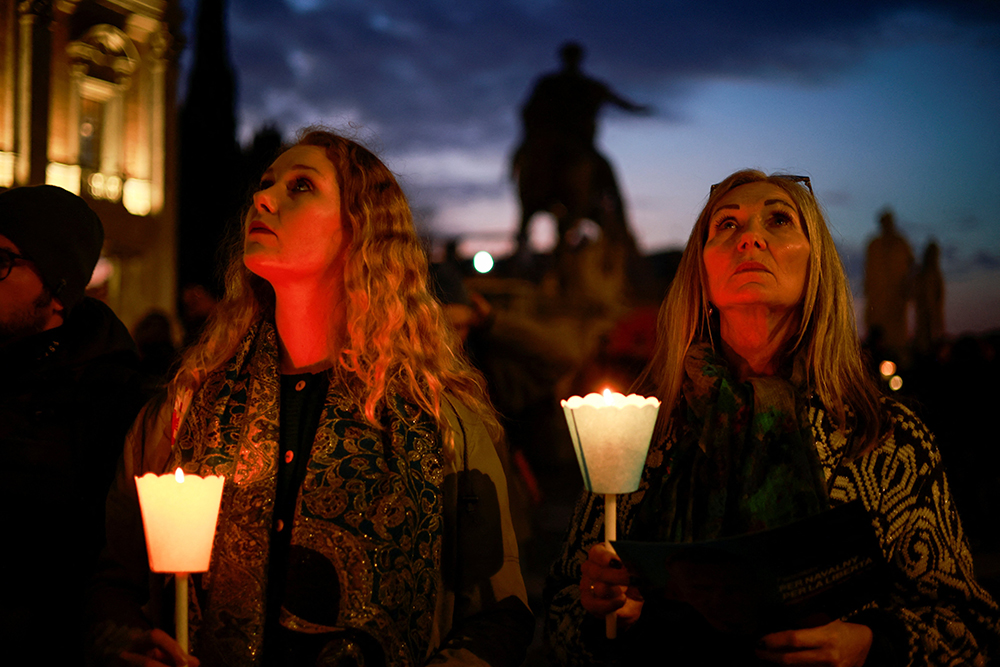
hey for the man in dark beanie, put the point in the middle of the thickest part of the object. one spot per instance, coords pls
(69, 391)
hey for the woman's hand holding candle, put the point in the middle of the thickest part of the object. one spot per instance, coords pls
(604, 587)
(154, 648)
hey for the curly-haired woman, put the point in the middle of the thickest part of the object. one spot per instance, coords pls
(364, 518)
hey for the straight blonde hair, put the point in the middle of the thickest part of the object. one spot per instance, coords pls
(827, 335)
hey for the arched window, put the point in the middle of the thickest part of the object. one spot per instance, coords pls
(102, 63)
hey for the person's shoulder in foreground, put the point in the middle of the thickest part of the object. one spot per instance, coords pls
(71, 390)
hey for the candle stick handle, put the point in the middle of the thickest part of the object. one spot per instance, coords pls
(610, 533)
(181, 609)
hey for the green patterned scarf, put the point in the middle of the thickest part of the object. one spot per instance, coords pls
(366, 539)
(743, 461)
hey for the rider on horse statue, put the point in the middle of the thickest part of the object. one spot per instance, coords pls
(557, 166)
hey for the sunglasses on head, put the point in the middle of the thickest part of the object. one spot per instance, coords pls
(804, 180)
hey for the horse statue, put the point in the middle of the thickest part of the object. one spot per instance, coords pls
(558, 169)
(572, 183)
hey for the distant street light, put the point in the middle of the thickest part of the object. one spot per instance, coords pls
(482, 262)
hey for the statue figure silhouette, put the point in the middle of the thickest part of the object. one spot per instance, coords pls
(557, 167)
(888, 285)
(929, 301)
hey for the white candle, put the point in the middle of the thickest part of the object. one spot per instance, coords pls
(611, 435)
(179, 513)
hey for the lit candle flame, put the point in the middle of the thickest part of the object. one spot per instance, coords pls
(607, 397)
(179, 475)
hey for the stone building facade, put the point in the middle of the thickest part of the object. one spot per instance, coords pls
(87, 102)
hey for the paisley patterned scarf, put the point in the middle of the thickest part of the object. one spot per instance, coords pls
(743, 461)
(366, 538)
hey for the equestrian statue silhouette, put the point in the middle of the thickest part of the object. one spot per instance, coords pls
(557, 167)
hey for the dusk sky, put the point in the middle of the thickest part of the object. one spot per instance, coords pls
(882, 103)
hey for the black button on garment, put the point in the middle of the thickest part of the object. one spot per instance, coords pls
(302, 398)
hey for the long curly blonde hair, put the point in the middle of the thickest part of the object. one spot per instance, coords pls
(827, 335)
(397, 339)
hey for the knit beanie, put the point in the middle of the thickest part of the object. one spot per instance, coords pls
(57, 231)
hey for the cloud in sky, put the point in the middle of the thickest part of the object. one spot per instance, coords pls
(433, 74)
(883, 102)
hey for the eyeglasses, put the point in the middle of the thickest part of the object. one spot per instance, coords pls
(804, 180)
(7, 260)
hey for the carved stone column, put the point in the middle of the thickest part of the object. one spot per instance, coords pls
(33, 90)
(77, 72)
(160, 43)
(9, 39)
